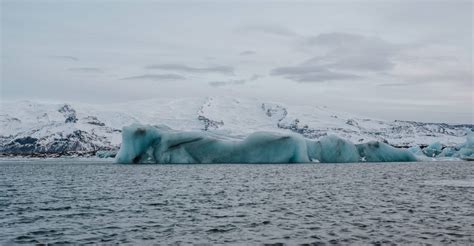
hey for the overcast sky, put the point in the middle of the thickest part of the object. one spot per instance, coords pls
(409, 60)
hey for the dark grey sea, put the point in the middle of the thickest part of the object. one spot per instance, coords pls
(92, 201)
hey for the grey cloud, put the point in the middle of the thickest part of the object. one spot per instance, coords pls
(66, 58)
(346, 56)
(270, 29)
(393, 84)
(255, 77)
(156, 77)
(364, 61)
(348, 51)
(86, 70)
(431, 58)
(230, 82)
(234, 82)
(464, 77)
(247, 53)
(335, 39)
(311, 74)
(189, 69)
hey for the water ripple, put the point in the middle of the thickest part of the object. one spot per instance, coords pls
(74, 202)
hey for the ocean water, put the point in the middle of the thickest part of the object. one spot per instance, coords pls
(90, 201)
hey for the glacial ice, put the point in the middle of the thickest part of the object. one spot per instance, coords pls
(416, 150)
(332, 149)
(161, 144)
(467, 149)
(381, 152)
(469, 140)
(433, 149)
(106, 153)
(447, 152)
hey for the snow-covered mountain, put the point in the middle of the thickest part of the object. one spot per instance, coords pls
(31, 128)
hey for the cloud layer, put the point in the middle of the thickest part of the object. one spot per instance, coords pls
(156, 77)
(66, 58)
(189, 69)
(349, 57)
(304, 73)
(234, 81)
(86, 70)
(347, 54)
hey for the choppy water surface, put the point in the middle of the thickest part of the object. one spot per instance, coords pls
(72, 201)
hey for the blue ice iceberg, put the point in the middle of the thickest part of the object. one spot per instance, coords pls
(416, 150)
(448, 152)
(435, 151)
(332, 149)
(142, 144)
(161, 144)
(466, 150)
(381, 152)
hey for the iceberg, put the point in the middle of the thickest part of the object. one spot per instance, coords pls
(448, 152)
(437, 152)
(106, 153)
(381, 152)
(416, 150)
(332, 149)
(161, 144)
(433, 149)
(466, 150)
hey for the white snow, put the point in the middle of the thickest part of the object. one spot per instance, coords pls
(236, 117)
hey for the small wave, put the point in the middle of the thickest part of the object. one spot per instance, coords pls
(451, 182)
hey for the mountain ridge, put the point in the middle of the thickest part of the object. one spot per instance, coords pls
(60, 129)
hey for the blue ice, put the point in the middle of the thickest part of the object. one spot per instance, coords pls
(436, 150)
(161, 144)
(433, 149)
(382, 152)
(467, 149)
